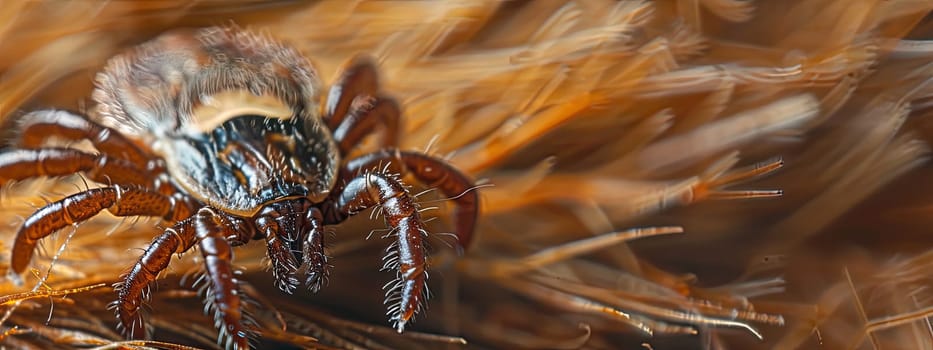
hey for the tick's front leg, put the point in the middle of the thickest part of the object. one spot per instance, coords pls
(408, 252)
(223, 295)
(208, 230)
(133, 291)
(433, 173)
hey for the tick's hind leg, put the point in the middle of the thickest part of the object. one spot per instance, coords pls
(357, 78)
(85, 205)
(433, 173)
(367, 114)
(22, 164)
(35, 128)
(209, 231)
(408, 252)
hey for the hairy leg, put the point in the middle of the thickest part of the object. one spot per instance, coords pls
(208, 230)
(82, 206)
(408, 252)
(433, 173)
(134, 289)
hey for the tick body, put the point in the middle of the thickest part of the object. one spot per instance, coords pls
(228, 137)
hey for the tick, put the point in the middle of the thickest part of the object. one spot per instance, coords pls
(228, 137)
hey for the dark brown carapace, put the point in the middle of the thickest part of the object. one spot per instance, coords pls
(222, 133)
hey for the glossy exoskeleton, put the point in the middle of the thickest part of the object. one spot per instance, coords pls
(225, 135)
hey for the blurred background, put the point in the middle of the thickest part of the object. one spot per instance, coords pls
(633, 154)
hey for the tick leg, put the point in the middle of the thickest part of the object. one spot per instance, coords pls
(20, 164)
(359, 77)
(365, 116)
(135, 286)
(374, 189)
(82, 206)
(208, 230)
(36, 127)
(212, 230)
(433, 173)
